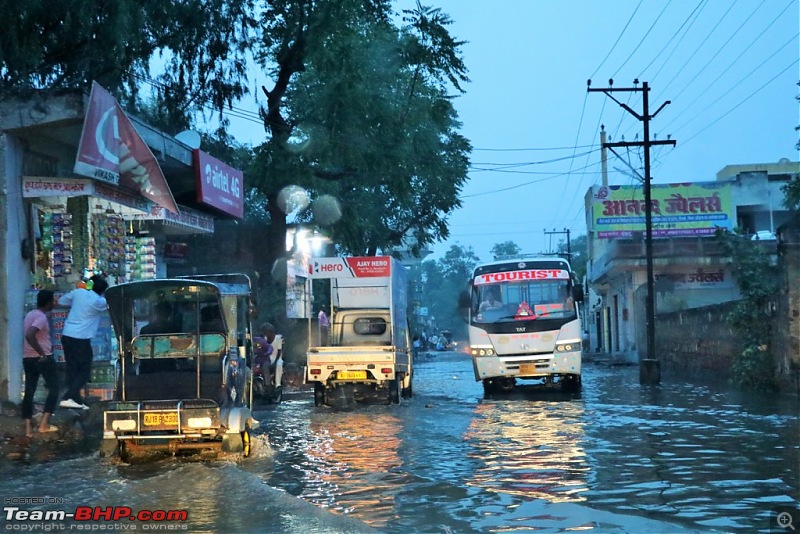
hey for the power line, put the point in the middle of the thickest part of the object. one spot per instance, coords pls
(721, 48)
(678, 44)
(643, 38)
(735, 62)
(674, 35)
(618, 38)
(523, 184)
(751, 95)
(543, 162)
(531, 149)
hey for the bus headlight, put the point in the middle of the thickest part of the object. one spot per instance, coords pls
(567, 347)
(482, 351)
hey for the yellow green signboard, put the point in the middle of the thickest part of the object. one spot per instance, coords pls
(678, 210)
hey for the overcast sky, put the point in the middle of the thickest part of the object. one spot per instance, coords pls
(730, 68)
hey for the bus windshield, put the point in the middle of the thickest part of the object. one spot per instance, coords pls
(522, 300)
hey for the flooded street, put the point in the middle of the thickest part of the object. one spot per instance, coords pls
(620, 457)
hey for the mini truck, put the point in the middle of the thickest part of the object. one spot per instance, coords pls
(368, 350)
(182, 380)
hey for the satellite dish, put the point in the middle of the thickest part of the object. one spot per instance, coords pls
(784, 161)
(189, 138)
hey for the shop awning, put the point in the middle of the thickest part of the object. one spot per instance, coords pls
(131, 207)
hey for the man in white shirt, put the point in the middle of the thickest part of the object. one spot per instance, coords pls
(87, 306)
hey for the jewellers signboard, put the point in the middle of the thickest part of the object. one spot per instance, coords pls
(699, 278)
(678, 210)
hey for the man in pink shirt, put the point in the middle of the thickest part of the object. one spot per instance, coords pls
(37, 360)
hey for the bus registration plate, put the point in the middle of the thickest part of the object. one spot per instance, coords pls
(161, 419)
(351, 375)
(527, 368)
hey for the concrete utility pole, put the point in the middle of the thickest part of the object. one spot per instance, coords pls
(650, 366)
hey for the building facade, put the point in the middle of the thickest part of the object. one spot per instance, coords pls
(60, 223)
(690, 267)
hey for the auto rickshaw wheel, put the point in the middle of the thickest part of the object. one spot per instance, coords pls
(246, 445)
(109, 447)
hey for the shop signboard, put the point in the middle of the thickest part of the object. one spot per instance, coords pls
(187, 218)
(112, 151)
(219, 185)
(40, 187)
(678, 210)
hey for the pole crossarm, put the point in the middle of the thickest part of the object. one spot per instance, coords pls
(640, 143)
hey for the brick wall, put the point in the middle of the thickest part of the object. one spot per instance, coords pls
(697, 340)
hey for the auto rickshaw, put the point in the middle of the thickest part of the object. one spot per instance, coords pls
(182, 382)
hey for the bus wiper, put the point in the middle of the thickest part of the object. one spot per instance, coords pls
(517, 317)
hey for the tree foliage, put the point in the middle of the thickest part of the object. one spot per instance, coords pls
(202, 45)
(751, 317)
(440, 283)
(791, 193)
(360, 118)
(506, 248)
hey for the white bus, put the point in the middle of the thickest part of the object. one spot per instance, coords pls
(524, 323)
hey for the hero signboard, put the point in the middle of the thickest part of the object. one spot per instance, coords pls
(219, 185)
(355, 267)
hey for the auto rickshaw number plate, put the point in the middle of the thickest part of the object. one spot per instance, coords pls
(161, 419)
(351, 375)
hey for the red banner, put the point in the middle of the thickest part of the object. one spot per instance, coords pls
(112, 151)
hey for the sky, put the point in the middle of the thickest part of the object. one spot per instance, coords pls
(729, 67)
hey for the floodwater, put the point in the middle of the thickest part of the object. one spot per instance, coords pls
(620, 457)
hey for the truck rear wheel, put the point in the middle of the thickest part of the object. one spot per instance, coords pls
(319, 394)
(406, 391)
(394, 391)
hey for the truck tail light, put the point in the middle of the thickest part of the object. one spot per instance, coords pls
(315, 371)
(386, 370)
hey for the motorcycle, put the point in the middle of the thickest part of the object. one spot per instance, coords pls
(267, 369)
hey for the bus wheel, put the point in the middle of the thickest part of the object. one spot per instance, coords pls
(571, 383)
(507, 385)
(488, 387)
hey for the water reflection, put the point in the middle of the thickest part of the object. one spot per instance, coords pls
(352, 463)
(530, 448)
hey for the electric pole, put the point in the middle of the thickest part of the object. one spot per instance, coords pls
(650, 366)
(569, 249)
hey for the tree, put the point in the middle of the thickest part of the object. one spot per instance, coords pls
(751, 316)
(578, 249)
(442, 281)
(506, 248)
(359, 117)
(46, 44)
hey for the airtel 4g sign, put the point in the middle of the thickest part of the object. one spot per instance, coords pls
(219, 185)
